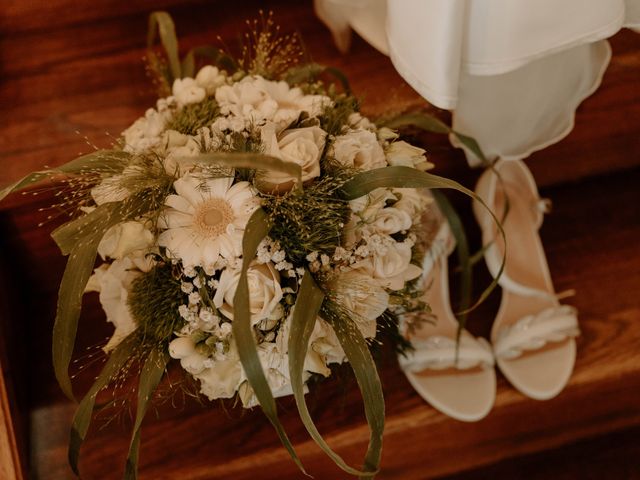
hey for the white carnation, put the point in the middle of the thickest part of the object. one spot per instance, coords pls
(186, 91)
(145, 132)
(256, 100)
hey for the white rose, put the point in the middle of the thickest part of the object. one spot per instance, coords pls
(393, 268)
(403, 154)
(125, 238)
(113, 283)
(264, 291)
(359, 149)
(210, 78)
(302, 146)
(187, 91)
(362, 295)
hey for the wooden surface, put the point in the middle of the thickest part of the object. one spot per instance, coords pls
(78, 68)
(9, 454)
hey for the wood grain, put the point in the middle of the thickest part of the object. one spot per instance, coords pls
(77, 68)
(10, 467)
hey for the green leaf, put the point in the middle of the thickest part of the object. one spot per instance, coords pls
(80, 238)
(398, 177)
(82, 418)
(255, 161)
(430, 123)
(357, 351)
(99, 220)
(100, 160)
(311, 71)
(162, 24)
(462, 247)
(423, 121)
(308, 303)
(257, 229)
(150, 376)
(74, 280)
(216, 56)
(407, 177)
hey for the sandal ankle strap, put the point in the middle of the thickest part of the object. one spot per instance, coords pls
(535, 331)
(439, 352)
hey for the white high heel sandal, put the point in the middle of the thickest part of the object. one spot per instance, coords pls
(457, 379)
(533, 335)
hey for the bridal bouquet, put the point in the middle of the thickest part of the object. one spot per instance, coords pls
(253, 226)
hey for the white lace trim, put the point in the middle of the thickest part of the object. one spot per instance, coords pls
(438, 353)
(535, 331)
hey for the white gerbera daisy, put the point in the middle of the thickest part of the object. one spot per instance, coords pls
(206, 220)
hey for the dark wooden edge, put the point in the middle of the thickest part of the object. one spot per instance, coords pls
(14, 418)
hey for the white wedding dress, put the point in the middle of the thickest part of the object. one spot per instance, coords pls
(512, 71)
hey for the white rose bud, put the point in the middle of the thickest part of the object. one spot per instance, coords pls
(403, 154)
(210, 78)
(181, 347)
(359, 149)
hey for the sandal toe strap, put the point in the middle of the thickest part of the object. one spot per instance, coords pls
(535, 331)
(439, 352)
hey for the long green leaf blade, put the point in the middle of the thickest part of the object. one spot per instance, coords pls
(429, 123)
(308, 303)
(357, 351)
(162, 23)
(74, 280)
(257, 229)
(82, 418)
(150, 376)
(407, 177)
(100, 160)
(462, 247)
(254, 161)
